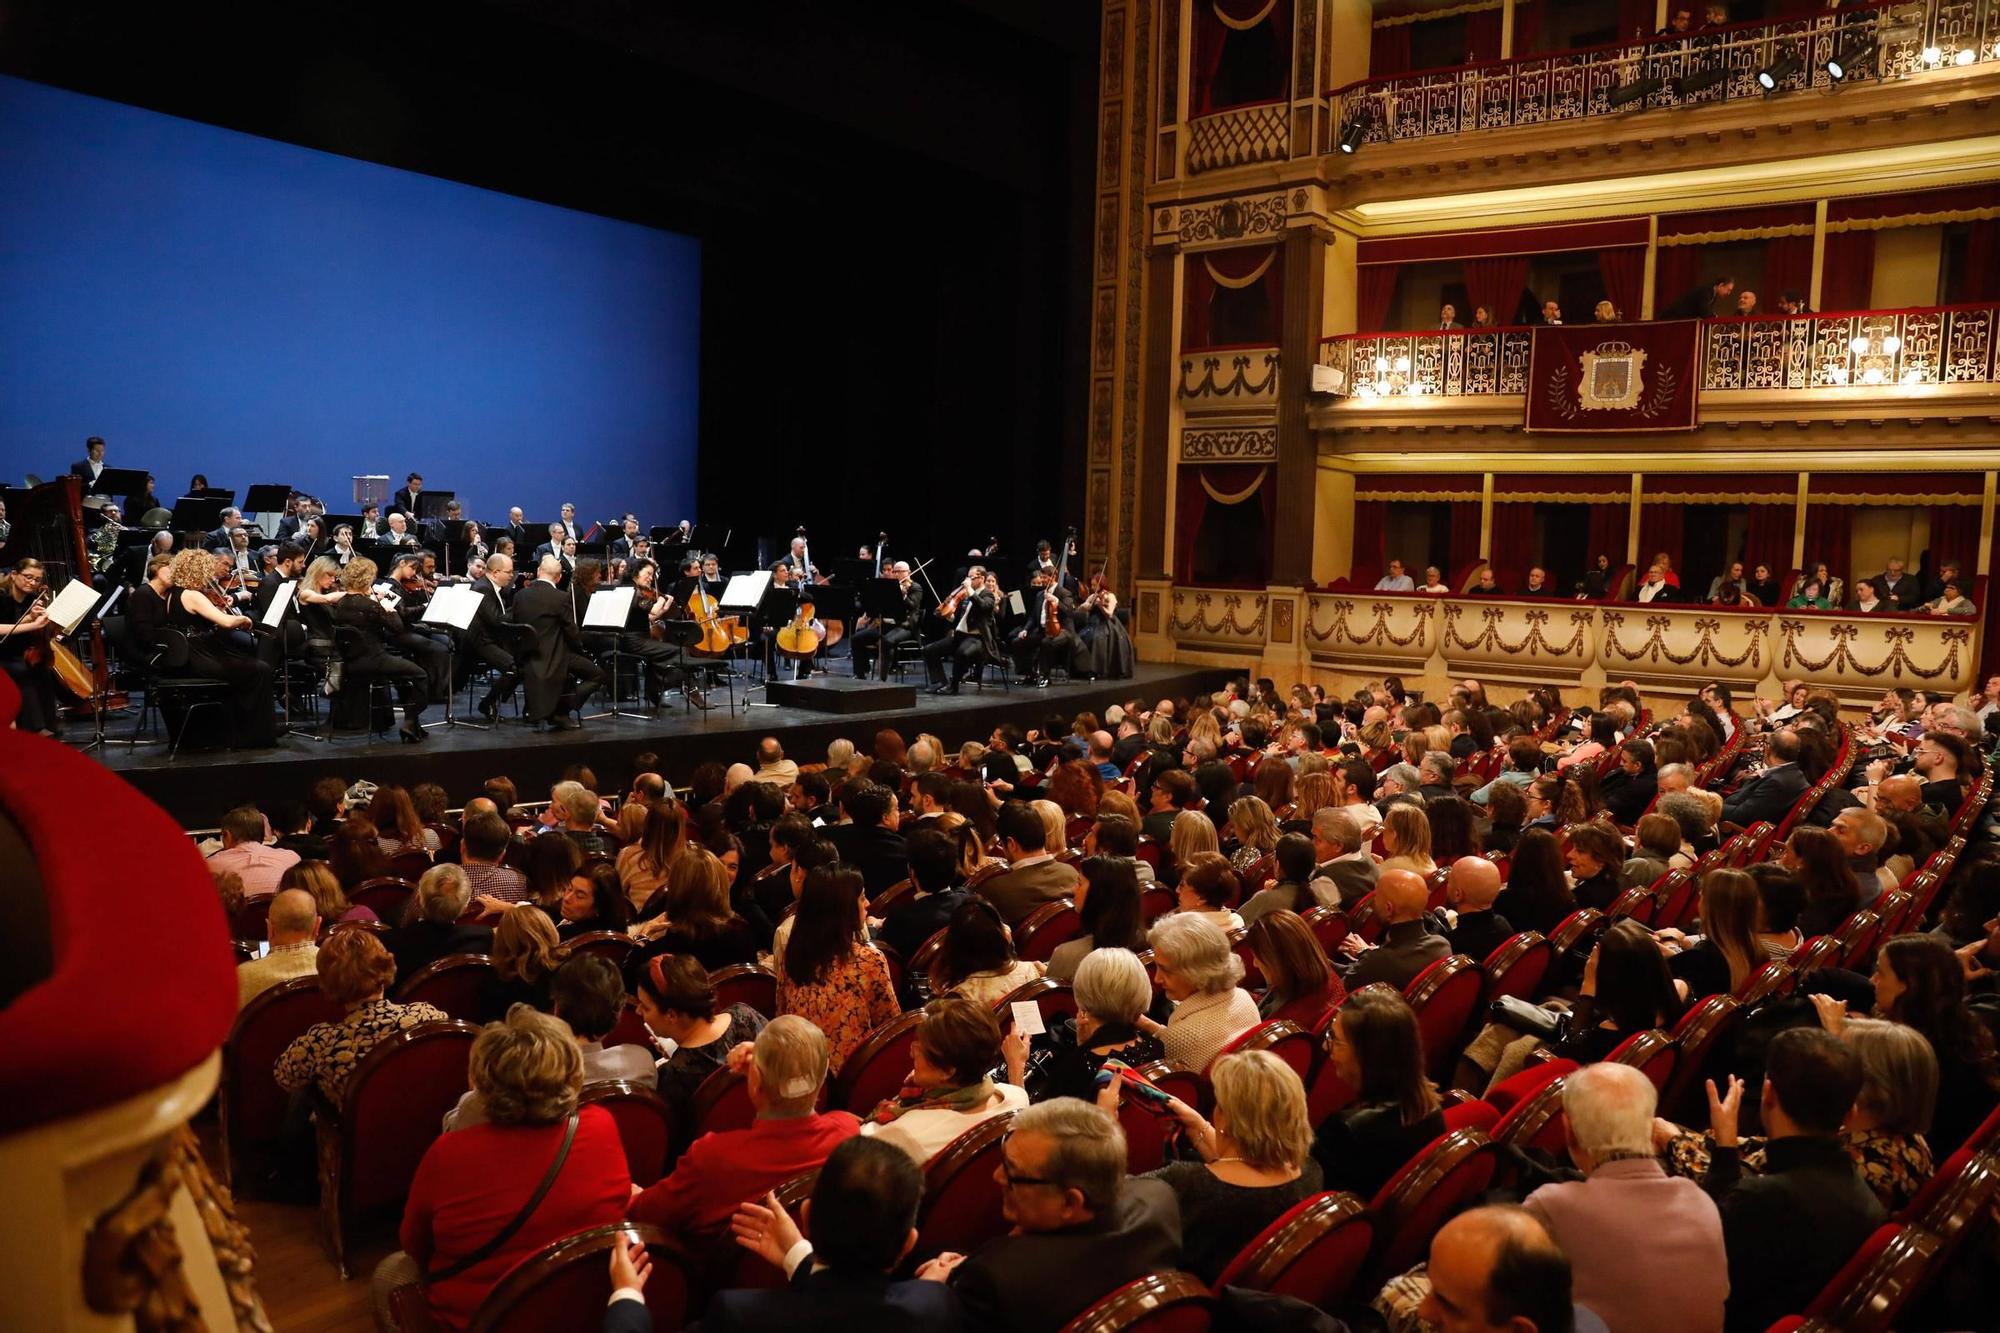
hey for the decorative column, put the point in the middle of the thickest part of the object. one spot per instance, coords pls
(1298, 453)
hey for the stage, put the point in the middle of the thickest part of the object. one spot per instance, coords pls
(197, 786)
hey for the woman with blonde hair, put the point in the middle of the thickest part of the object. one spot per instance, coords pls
(1055, 826)
(644, 864)
(1722, 957)
(1191, 833)
(1406, 837)
(318, 879)
(190, 611)
(1255, 829)
(524, 962)
(1204, 727)
(1315, 793)
(1256, 1158)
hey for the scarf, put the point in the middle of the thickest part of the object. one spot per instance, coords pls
(965, 1099)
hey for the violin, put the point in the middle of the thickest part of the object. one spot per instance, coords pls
(948, 608)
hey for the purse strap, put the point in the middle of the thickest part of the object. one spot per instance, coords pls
(506, 1233)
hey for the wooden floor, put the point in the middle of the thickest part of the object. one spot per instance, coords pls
(302, 1291)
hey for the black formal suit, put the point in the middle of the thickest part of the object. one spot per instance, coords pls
(913, 920)
(969, 642)
(93, 482)
(826, 1299)
(1039, 1281)
(375, 628)
(1906, 594)
(423, 942)
(518, 534)
(403, 501)
(145, 613)
(219, 539)
(483, 643)
(1033, 648)
(290, 640)
(1697, 304)
(557, 658)
(1626, 797)
(878, 853)
(1765, 797)
(1478, 934)
(889, 632)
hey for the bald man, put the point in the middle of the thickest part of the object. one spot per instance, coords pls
(560, 678)
(1472, 886)
(293, 925)
(482, 637)
(1902, 794)
(1408, 945)
(1495, 1270)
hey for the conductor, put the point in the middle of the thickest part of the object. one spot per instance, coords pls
(559, 677)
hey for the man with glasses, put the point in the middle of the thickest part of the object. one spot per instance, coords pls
(1081, 1229)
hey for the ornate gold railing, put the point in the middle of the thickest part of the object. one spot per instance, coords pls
(1239, 137)
(1852, 349)
(1474, 363)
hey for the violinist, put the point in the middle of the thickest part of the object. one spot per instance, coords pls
(968, 609)
(1104, 647)
(244, 566)
(1035, 650)
(482, 636)
(290, 640)
(427, 645)
(375, 626)
(24, 626)
(343, 545)
(644, 639)
(894, 630)
(213, 633)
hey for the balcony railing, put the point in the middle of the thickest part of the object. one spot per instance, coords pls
(1239, 137)
(1718, 65)
(1862, 349)
(1943, 345)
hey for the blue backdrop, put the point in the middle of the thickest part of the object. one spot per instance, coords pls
(213, 302)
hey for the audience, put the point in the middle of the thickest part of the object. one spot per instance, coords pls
(828, 973)
(1302, 986)
(244, 852)
(293, 928)
(434, 925)
(1408, 944)
(1110, 911)
(1112, 993)
(1198, 972)
(676, 1002)
(950, 1088)
(977, 960)
(1497, 1268)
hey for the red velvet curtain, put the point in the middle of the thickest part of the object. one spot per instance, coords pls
(1829, 530)
(1847, 270)
(1389, 51)
(1636, 18)
(1216, 315)
(1954, 536)
(1787, 268)
(1674, 273)
(1623, 269)
(1234, 67)
(1374, 290)
(1512, 549)
(1370, 524)
(1660, 527)
(1978, 279)
(1609, 525)
(1769, 538)
(1494, 281)
(1191, 503)
(1527, 27)
(1464, 546)
(1482, 36)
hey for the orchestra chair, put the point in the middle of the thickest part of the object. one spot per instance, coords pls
(1312, 1253)
(878, 1067)
(252, 1106)
(166, 677)
(961, 1202)
(451, 983)
(1156, 1303)
(391, 1110)
(1423, 1195)
(377, 699)
(645, 1125)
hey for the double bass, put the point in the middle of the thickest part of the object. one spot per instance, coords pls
(800, 638)
(1051, 598)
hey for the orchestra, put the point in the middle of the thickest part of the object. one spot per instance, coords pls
(350, 623)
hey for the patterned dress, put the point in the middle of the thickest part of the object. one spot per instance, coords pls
(1895, 1166)
(852, 1000)
(326, 1053)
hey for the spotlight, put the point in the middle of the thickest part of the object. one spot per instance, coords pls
(1381, 365)
(1352, 134)
(1701, 80)
(1638, 90)
(1933, 56)
(1775, 73)
(1848, 57)
(1892, 344)
(1966, 55)
(1402, 365)
(1858, 346)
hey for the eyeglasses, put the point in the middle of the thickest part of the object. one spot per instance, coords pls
(1007, 1172)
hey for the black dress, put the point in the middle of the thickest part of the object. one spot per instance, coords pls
(215, 652)
(1104, 649)
(1218, 1219)
(1072, 1070)
(1360, 1147)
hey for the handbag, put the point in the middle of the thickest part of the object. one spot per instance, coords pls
(506, 1233)
(1530, 1019)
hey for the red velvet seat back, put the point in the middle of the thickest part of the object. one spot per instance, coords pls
(1313, 1253)
(961, 1207)
(721, 1103)
(1052, 998)
(563, 1287)
(1518, 967)
(1329, 927)
(1286, 1040)
(1036, 938)
(878, 1067)
(1445, 995)
(1871, 1290)
(393, 1108)
(645, 1125)
(1536, 1122)
(1445, 1177)
(1480, 1115)
(1157, 1303)
(1652, 1053)
(1704, 1030)
(746, 983)
(387, 897)
(610, 945)
(252, 920)
(452, 983)
(629, 1030)
(1505, 1096)
(253, 1105)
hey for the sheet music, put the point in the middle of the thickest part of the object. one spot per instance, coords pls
(281, 601)
(746, 590)
(453, 604)
(608, 608)
(72, 604)
(1015, 604)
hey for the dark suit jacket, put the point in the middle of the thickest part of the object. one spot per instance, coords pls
(404, 501)
(1777, 1266)
(422, 942)
(1407, 948)
(878, 853)
(91, 485)
(1767, 796)
(1037, 1283)
(487, 619)
(979, 622)
(1625, 797)
(1017, 893)
(518, 534)
(912, 921)
(1354, 879)
(1697, 304)
(1906, 594)
(545, 609)
(1478, 934)
(628, 1317)
(833, 1300)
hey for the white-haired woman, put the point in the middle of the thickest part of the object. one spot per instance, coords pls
(1112, 994)
(1199, 973)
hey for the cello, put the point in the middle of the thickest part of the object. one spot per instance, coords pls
(801, 638)
(1052, 598)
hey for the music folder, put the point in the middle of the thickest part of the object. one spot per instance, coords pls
(745, 590)
(72, 604)
(608, 608)
(1015, 605)
(453, 604)
(281, 601)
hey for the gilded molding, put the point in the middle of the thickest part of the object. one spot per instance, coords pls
(1225, 220)
(1228, 444)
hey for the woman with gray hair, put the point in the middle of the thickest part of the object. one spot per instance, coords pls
(1199, 973)
(1112, 994)
(528, 1072)
(1884, 1133)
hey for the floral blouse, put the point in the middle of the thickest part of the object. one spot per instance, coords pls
(326, 1053)
(853, 1000)
(1894, 1165)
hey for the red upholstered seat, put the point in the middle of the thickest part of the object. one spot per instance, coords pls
(1636, 902)
(1480, 1115)
(1445, 996)
(1774, 978)
(645, 1125)
(1678, 898)
(1157, 1303)
(1817, 952)
(1329, 927)
(1288, 1041)
(630, 1029)
(1312, 1253)
(1505, 1096)
(1053, 998)
(1362, 921)
(386, 897)
(1704, 1029)
(252, 1103)
(1652, 1053)
(563, 1287)
(1517, 968)
(410, 865)
(251, 920)
(614, 947)
(1574, 932)
(1536, 1121)
(961, 1207)
(722, 1102)
(1857, 937)
(1326, 1092)
(1423, 1195)
(1146, 1133)
(1871, 1290)
(889, 897)
(1155, 900)
(393, 1107)
(452, 983)
(877, 1068)
(729, 1267)
(746, 983)
(1036, 938)
(1436, 881)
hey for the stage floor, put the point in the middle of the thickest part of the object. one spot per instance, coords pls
(197, 786)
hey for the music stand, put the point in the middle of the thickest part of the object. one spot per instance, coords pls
(883, 599)
(100, 605)
(115, 483)
(685, 635)
(453, 606)
(371, 490)
(198, 513)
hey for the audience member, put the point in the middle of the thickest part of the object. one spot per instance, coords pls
(292, 927)
(354, 972)
(828, 973)
(950, 1088)
(244, 852)
(1301, 985)
(1472, 887)
(588, 996)
(1033, 878)
(676, 1002)
(977, 961)
(1407, 944)
(1496, 1268)
(1377, 1050)
(434, 925)
(1197, 970)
